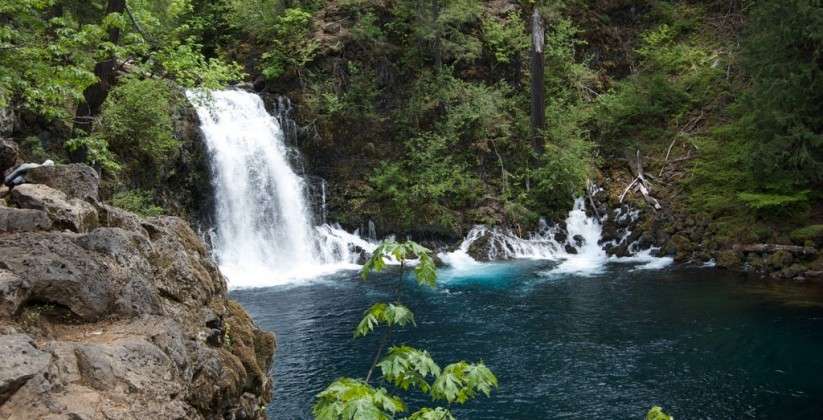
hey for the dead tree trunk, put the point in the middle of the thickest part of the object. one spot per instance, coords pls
(96, 94)
(538, 110)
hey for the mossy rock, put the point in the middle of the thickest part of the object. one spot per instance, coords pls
(780, 260)
(813, 233)
(729, 259)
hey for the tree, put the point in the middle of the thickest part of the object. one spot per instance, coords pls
(403, 367)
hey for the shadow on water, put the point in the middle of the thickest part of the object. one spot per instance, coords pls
(702, 343)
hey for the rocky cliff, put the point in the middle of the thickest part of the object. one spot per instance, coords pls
(104, 314)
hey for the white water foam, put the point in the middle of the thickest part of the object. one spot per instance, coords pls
(580, 253)
(264, 235)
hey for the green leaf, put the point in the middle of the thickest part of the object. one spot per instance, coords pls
(656, 413)
(425, 413)
(388, 314)
(461, 381)
(351, 399)
(406, 367)
(426, 271)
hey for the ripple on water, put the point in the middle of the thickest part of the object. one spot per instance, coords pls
(702, 343)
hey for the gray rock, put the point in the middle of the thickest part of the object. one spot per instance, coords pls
(111, 216)
(19, 362)
(95, 365)
(65, 213)
(8, 154)
(61, 272)
(77, 180)
(23, 220)
(13, 291)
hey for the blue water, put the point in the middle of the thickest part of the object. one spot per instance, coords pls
(699, 342)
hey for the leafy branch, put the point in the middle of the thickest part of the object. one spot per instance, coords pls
(403, 367)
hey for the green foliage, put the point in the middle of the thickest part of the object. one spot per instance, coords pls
(425, 270)
(45, 62)
(506, 39)
(292, 48)
(352, 399)
(656, 413)
(406, 367)
(772, 201)
(96, 151)
(438, 25)
(426, 413)
(137, 122)
(137, 201)
(188, 67)
(780, 113)
(461, 381)
(767, 159)
(811, 233)
(388, 314)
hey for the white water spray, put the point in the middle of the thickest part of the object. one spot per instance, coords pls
(264, 233)
(578, 251)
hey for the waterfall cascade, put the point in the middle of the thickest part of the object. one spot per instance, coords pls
(578, 247)
(264, 230)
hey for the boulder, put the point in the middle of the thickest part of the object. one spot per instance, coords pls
(728, 259)
(13, 291)
(19, 362)
(8, 154)
(65, 213)
(59, 271)
(76, 180)
(23, 220)
(682, 247)
(480, 249)
(110, 216)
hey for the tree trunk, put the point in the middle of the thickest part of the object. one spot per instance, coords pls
(538, 108)
(96, 94)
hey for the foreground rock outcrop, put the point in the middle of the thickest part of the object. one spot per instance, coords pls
(104, 314)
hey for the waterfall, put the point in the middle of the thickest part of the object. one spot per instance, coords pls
(264, 233)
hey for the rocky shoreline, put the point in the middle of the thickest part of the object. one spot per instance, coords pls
(104, 314)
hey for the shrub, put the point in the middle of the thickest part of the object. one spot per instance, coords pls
(137, 201)
(96, 152)
(137, 123)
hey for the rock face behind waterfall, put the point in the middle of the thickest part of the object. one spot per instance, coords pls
(104, 314)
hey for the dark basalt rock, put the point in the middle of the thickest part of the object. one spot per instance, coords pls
(8, 154)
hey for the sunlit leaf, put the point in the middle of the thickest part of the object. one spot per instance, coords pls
(425, 413)
(406, 367)
(388, 314)
(350, 399)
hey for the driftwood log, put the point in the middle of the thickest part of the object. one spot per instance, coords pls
(640, 183)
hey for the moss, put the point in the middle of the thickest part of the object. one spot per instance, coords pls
(813, 233)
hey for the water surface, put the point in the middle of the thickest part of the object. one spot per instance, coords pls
(702, 343)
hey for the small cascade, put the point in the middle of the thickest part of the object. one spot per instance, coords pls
(264, 231)
(578, 247)
(372, 231)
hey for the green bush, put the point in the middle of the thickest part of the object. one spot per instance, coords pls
(137, 201)
(136, 121)
(292, 47)
(96, 151)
